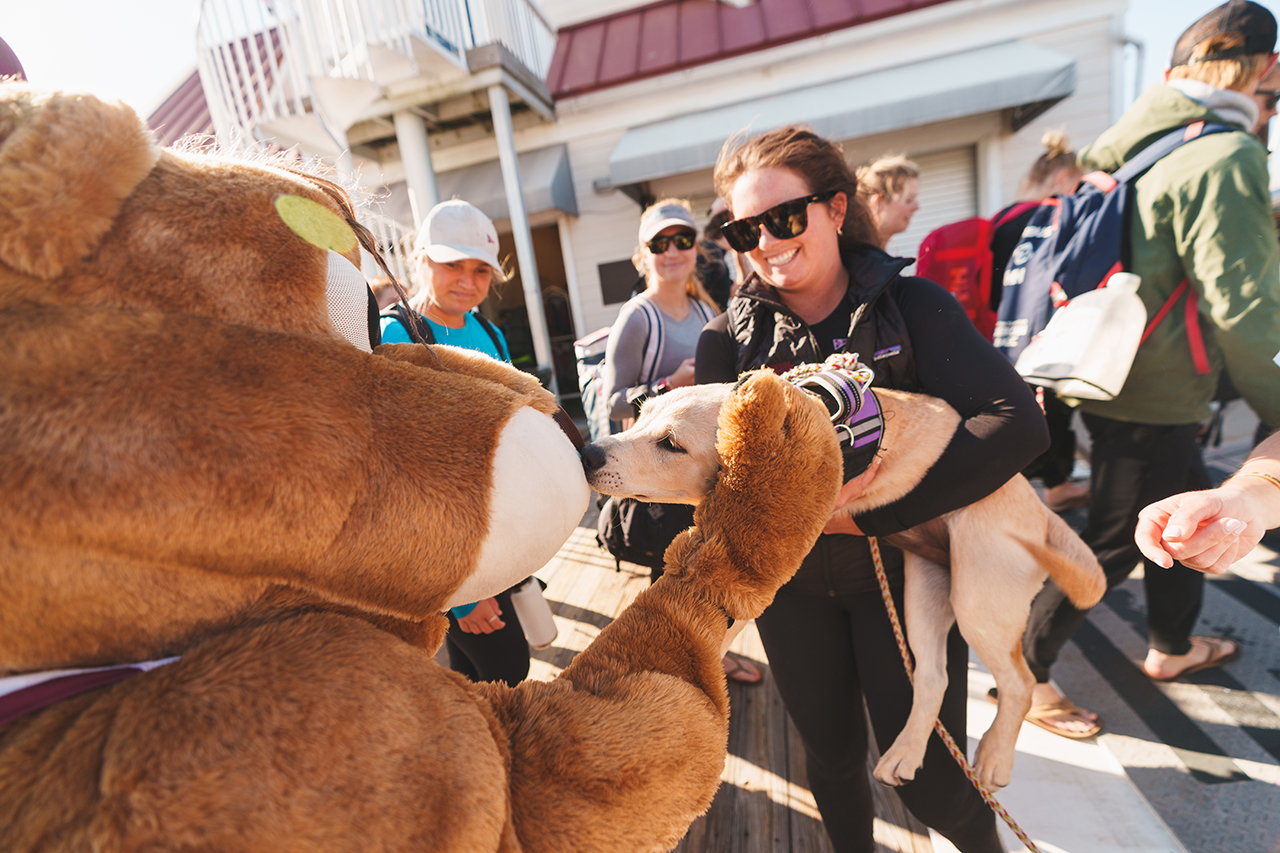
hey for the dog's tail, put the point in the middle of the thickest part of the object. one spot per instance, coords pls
(1070, 563)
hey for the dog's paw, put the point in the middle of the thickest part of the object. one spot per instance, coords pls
(993, 763)
(898, 765)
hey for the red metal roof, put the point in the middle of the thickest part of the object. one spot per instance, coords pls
(673, 34)
(183, 113)
(186, 112)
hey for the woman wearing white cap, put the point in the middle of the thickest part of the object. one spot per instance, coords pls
(456, 258)
(652, 343)
(456, 253)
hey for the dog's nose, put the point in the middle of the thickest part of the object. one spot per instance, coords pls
(592, 457)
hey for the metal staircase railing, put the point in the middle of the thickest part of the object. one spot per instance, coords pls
(271, 67)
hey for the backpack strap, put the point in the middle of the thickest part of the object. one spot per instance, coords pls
(492, 331)
(412, 322)
(1195, 338)
(654, 342)
(1013, 211)
(1147, 157)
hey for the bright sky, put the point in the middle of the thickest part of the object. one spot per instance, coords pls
(140, 50)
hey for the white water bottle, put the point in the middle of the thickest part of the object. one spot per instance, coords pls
(534, 614)
(1090, 343)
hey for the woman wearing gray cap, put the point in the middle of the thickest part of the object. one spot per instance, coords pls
(652, 342)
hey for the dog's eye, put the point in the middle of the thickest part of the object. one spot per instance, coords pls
(670, 446)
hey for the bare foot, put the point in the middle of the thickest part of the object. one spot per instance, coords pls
(1205, 652)
(1068, 495)
(1071, 717)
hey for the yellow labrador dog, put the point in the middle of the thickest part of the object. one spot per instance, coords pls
(980, 565)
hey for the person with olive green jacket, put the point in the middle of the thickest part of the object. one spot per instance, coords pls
(1202, 213)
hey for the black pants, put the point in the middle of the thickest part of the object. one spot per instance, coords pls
(1055, 464)
(827, 654)
(1133, 465)
(500, 656)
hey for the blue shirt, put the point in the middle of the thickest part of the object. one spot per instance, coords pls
(471, 336)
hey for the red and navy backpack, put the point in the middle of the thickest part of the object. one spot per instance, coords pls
(1075, 243)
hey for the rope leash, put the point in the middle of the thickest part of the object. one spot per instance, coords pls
(947, 740)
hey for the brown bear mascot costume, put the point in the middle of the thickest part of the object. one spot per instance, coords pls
(203, 467)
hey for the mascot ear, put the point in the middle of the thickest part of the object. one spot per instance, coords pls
(67, 163)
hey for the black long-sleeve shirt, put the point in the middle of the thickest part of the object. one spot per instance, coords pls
(1001, 428)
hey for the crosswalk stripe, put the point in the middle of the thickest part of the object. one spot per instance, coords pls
(1203, 758)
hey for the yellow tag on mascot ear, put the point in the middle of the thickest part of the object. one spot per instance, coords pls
(316, 224)
(346, 292)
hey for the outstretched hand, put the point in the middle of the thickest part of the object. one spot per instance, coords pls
(1201, 530)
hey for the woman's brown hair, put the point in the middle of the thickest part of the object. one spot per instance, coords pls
(819, 162)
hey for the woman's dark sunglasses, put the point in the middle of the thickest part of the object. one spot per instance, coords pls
(684, 242)
(1270, 96)
(784, 221)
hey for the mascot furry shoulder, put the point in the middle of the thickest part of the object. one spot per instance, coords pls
(200, 459)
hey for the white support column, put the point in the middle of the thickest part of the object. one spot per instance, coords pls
(500, 107)
(990, 188)
(1117, 67)
(415, 156)
(571, 276)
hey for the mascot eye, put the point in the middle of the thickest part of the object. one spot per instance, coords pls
(670, 446)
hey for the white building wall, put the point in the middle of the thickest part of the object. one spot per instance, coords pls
(606, 229)
(592, 124)
(1084, 115)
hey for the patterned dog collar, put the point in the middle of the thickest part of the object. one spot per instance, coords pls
(844, 387)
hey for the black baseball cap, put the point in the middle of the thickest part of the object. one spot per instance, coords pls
(1254, 22)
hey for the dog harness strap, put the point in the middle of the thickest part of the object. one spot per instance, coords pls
(844, 387)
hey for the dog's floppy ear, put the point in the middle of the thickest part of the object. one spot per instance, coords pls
(67, 162)
(778, 483)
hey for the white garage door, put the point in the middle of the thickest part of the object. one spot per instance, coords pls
(948, 192)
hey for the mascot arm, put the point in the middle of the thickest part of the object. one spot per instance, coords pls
(471, 363)
(638, 722)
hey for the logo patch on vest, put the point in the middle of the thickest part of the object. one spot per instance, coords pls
(887, 352)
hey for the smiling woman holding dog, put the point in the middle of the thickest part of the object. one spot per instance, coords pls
(820, 285)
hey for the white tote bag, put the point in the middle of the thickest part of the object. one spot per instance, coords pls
(1088, 346)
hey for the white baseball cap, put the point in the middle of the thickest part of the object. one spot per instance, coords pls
(457, 231)
(664, 216)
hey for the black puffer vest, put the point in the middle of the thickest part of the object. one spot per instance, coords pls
(768, 333)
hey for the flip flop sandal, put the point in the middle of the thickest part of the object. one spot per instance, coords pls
(741, 671)
(1215, 644)
(1045, 715)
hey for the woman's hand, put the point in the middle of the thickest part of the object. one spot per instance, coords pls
(483, 619)
(840, 520)
(683, 375)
